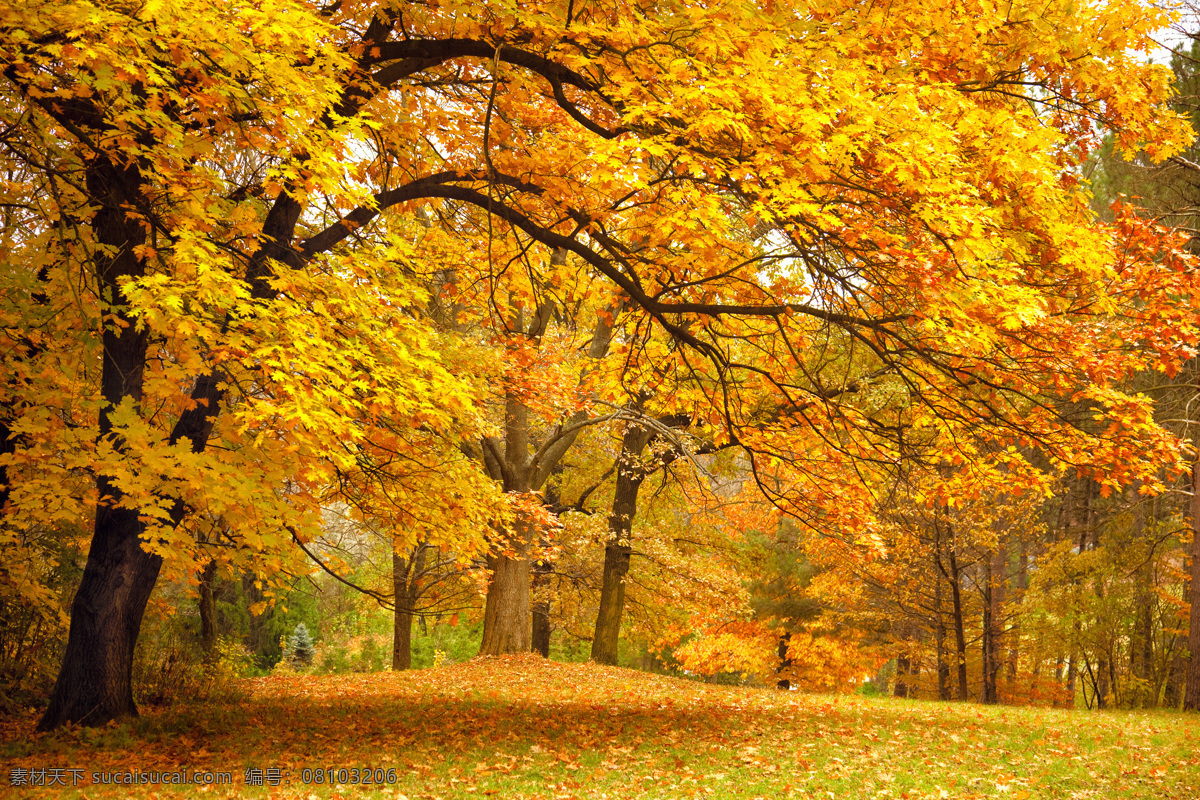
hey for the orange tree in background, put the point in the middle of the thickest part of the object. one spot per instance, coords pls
(215, 246)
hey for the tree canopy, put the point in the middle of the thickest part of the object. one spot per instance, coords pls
(259, 257)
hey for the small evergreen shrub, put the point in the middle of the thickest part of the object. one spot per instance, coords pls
(300, 646)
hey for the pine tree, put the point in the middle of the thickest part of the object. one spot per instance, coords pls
(301, 645)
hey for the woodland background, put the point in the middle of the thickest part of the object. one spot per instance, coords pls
(465, 330)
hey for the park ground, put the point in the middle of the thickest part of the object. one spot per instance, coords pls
(522, 727)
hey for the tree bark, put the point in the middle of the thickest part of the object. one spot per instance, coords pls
(540, 643)
(95, 683)
(993, 623)
(256, 640)
(988, 665)
(1013, 633)
(785, 660)
(506, 614)
(406, 590)
(208, 611)
(507, 617)
(903, 669)
(630, 474)
(960, 635)
(1191, 690)
(943, 665)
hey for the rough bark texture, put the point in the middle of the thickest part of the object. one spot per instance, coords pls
(95, 682)
(402, 623)
(506, 615)
(630, 474)
(785, 662)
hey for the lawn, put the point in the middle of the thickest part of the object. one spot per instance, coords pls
(522, 727)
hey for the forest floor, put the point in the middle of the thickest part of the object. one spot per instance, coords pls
(521, 727)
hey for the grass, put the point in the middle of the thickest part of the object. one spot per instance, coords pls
(521, 727)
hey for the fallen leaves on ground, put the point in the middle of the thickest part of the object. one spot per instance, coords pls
(522, 727)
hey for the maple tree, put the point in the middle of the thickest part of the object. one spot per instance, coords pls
(810, 214)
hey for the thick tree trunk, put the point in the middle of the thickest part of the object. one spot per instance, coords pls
(506, 615)
(402, 622)
(95, 684)
(630, 474)
(612, 603)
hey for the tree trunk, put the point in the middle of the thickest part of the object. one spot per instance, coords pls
(402, 622)
(995, 570)
(406, 590)
(612, 603)
(95, 683)
(1013, 634)
(506, 615)
(542, 570)
(960, 635)
(785, 661)
(903, 668)
(939, 630)
(1191, 691)
(208, 612)
(630, 474)
(541, 611)
(988, 665)
(1143, 656)
(257, 640)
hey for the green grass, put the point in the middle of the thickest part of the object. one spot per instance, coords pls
(525, 728)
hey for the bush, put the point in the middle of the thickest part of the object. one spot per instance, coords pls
(300, 646)
(457, 642)
(174, 668)
(370, 657)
